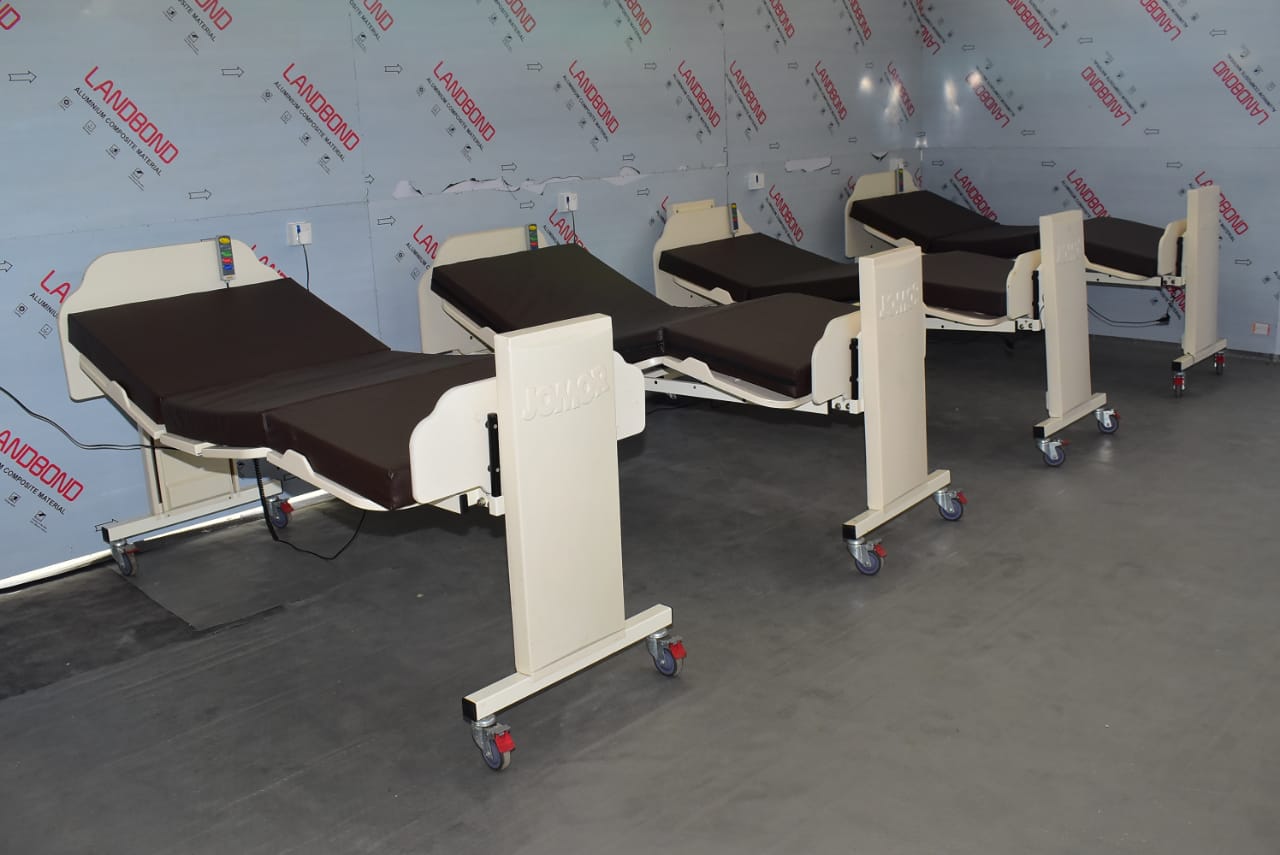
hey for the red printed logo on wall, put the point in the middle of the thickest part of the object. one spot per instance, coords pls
(781, 18)
(964, 184)
(9, 16)
(1234, 224)
(991, 99)
(747, 96)
(125, 115)
(464, 108)
(562, 227)
(321, 114)
(828, 87)
(1163, 18)
(592, 99)
(21, 460)
(1032, 20)
(697, 94)
(1246, 92)
(375, 16)
(901, 95)
(1106, 91)
(785, 215)
(1084, 195)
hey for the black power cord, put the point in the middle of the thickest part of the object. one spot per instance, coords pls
(87, 446)
(271, 529)
(1155, 322)
(307, 260)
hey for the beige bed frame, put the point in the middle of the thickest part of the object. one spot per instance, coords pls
(558, 472)
(1063, 311)
(1197, 280)
(890, 378)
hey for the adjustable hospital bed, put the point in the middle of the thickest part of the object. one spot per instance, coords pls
(218, 366)
(886, 208)
(789, 351)
(709, 255)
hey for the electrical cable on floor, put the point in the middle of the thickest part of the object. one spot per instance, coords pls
(87, 446)
(271, 529)
(1156, 322)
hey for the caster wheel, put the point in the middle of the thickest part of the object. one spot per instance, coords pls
(1109, 424)
(1055, 456)
(952, 509)
(280, 513)
(496, 750)
(870, 564)
(667, 663)
(495, 759)
(126, 560)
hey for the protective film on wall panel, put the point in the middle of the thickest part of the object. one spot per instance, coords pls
(1118, 109)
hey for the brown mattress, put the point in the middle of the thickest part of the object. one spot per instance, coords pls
(159, 348)
(512, 292)
(936, 224)
(272, 365)
(967, 282)
(1124, 245)
(360, 437)
(768, 341)
(235, 414)
(920, 216)
(756, 265)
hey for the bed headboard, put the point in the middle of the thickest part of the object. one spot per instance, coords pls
(149, 274)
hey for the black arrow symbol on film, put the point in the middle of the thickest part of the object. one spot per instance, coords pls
(368, 179)
(1050, 164)
(628, 157)
(1027, 132)
(1085, 40)
(1217, 32)
(508, 167)
(534, 66)
(773, 146)
(199, 194)
(1173, 164)
(651, 66)
(5, 266)
(967, 48)
(526, 205)
(1245, 262)
(392, 69)
(23, 77)
(386, 221)
(643, 191)
(937, 162)
(233, 72)
(1151, 132)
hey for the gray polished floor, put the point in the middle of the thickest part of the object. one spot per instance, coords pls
(1088, 662)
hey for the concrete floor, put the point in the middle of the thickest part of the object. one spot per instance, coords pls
(1086, 663)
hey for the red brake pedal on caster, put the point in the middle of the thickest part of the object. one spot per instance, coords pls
(960, 497)
(878, 549)
(286, 507)
(504, 742)
(677, 650)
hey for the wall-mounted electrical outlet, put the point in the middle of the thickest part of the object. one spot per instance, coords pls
(299, 234)
(567, 202)
(755, 180)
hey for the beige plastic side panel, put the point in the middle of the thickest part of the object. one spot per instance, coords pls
(857, 240)
(1066, 311)
(560, 482)
(149, 274)
(441, 333)
(1200, 271)
(689, 223)
(891, 373)
(187, 480)
(449, 449)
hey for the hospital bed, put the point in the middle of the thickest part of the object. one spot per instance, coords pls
(789, 351)
(226, 361)
(710, 255)
(887, 209)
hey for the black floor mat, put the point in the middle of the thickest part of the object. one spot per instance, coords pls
(77, 623)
